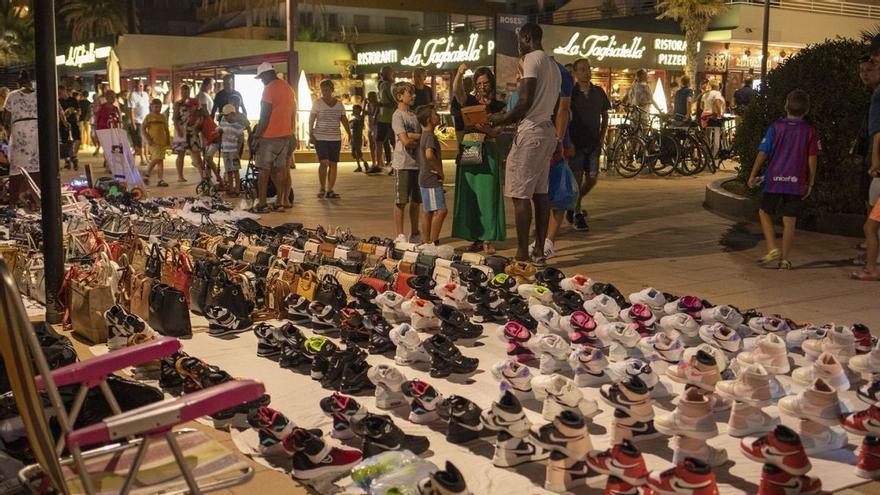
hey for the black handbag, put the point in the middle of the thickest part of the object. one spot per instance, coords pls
(229, 295)
(153, 268)
(349, 266)
(204, 273)
(236, 252)
(330, 292)
(497, 263)
(169, 314)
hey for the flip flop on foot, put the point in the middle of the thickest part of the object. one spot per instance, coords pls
(260, 209)
(331, 195)
(865, 275)
(770, 257)
(321, 194)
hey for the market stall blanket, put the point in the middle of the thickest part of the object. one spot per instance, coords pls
(297, 396)
(117, 153)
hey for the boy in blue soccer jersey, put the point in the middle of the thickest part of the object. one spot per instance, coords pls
(789, 148)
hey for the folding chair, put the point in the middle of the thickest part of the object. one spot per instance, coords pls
(119, 467)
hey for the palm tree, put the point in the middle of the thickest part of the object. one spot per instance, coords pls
(695, 16)
(90, 19)
(16, 33)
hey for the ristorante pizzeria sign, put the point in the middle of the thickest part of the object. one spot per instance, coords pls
(616, 49)
(443, 52)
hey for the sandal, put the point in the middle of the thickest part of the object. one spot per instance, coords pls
(770, 257)
(331, 195)
(489, 248)
(321, 194)
(260, 209)
(865, 276)
(476, 247)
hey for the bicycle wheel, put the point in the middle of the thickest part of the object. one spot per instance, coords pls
(628, 157)
(692, 159)
(661, 153)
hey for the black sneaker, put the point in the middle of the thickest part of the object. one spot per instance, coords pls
(337, 363)
(612, 292)
(380, 341)
(318, 351)
(170, 379)
(568, 301)
(518, 310)
(344, 411)
(222, 322)
(292, 354)
(297, 308)
(475, 278)
(636, 431)
(464, 420)
(870, 392)
(488, 306)
(569, 216)
(580, 222)
(446, 358)
(199, 375)
(314, 458)
(423, 286)
(564, 435)
(455, 324)
(504, 284)
(365, 295)
(550, 277)
(352, 328)
(355, 379)
(267, 344)
(325, 318)
(380, 434)
(448, 481)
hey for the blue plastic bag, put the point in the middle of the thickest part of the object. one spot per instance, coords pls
(561, 190)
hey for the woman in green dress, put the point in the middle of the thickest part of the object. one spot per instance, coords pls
(478, 214)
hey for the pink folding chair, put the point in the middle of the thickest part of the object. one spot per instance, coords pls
(143, 426)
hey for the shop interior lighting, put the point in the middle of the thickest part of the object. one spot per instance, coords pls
(659, 98)
(304, 102)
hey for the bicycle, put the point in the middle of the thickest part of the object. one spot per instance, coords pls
(628, 148)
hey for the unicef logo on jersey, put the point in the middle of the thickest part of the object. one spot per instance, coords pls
(792, 179)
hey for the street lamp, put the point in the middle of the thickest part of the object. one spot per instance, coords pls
(764, 41)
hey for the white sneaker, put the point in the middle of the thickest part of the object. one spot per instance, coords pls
(662, 347)
(389, 303)
(748, 420)
(770, 351)
(682, 323)
(683, 447)
(387, 379)
(421, 313)
(401, 238)
(455, 295)
(535, 292)
(561, 394)
(769, 324)
(838, 341)
(552, 351)
(818, 438)
(581, 284)
(796, 337)
(603, 305)
(752, 385)
(625, 334)
(719, 355)
(650, 297)
(589, 365)
(548, 248)
(624, 371)
(692, 417)
(515, 377)
(866, 363)
(722, 337)
(409, 345)
(721, 314)
(818, 403)
(547, 318)
(826, 367)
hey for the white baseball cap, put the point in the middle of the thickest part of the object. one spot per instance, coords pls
(264, 67)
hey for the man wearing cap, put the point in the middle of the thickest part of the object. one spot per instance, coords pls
(274, 138)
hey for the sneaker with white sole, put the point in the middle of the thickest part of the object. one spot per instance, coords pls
(455, 295)
(389, 303)
(641, 316)
(721, 314)
(796, 337)
(424, 401)
(623, 460)
(692, 417)
(682, 323)
(692, 448)
(775, 481)
(222, 322)
(565, 435)
(633, 367)
(560, 394)
(589, 365)
(781, 447)
(868, 363)
(770, 351)
(769, 324)
(388, 379)
(343, 411)
(701, 371)
(604, 307)
(580, 328)
(581, 284)
(869, 393)
(547, 318)
(506, 415)
(409, 345)
(421, 313)
(314, 458)
(535, 293)
(818, 438)
(818, 403)
(828, 368)
(863, 423)
(865, 342)
(625, 427)
(625, 334)
(719, 355)
(552, 351)
(753, 385)
(722, 337)
(689, 305)
(688, 476)
(650, 297)
(632, 397)
(746, 420)
(514, 377)
(662, 347)
(838, 341)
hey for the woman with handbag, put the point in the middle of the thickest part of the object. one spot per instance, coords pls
(478, 214)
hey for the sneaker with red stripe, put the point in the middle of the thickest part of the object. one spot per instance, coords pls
(775, 481)
(781, 447)
(623, 461)
(690, 477)
(313, 458)
(864, 423)
(616, 486)
(868, 465)
(864, 340)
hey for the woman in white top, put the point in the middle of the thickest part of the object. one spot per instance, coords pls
(24, 153)
(327, 113)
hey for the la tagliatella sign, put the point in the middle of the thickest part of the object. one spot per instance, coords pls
(84, 54)
(441, 53)
(616, 48)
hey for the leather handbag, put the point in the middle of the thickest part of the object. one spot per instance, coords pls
(473, 258)
(312, 246)
(181, 277)
(236, 252)
(325, 270)
(330, 292)
(377, 283)
(140, 295)
(327, 249)
(347, 280)
(400, 285)
(155, 260)
(230, 294)
(443, 274)
(277, 290)
(169, 313)
(406, 267)
(203, 275)
(88, 302)
(307, 284)
(410, 256)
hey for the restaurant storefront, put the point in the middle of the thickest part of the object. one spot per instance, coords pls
(84, 67)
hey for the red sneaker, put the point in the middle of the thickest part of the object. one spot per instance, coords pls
(775, 481)
(864, 340)
(690, 477)
(781, 447)
(868, 466)
(864, 423)
(623, 461)
(313, 458)
(616, 486)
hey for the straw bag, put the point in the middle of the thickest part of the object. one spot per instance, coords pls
(306, 285)
(89, 299)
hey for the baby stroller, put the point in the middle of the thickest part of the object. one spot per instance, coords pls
(248, 184)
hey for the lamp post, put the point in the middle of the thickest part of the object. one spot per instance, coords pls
(292, 55)
(764, 51)
(50, 178)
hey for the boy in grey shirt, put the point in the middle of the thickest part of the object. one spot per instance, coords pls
(431, 175)
(406, 181)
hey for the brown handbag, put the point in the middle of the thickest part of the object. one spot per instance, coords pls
(277, 290)
(88, 302)
(307, 284)
(168, 266)
(140, 295)
(327, 249)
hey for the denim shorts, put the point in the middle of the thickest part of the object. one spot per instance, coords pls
(585, 161)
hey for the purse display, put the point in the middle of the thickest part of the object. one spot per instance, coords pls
(168, 311)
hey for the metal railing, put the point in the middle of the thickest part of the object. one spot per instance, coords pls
(819, 7)
(616, 8)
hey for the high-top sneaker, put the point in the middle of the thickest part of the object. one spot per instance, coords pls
(684, 447)
(365, 297)
(818, 403)
(565, 474)
(560, 393)
(425, 400)
(753, 385)
(682, 323)
(453, 295)
(625, 427)
(581, 284)
(517, 338)
(222, 322)
(313, 458)
(448, 481)
(616, 486)
(547, 318)
(550, 277)
(446, 358)
(552, 351)
(272, 427)
(863, 423)
(690, 476)
(292, 351)
(517, 310)
(325, 318)
(380, 434)
(565, 437)
(722, 337)
(337, 363)
(663, 348)
(770, 350)
(868, 465)
(689, 305)
(650, 297)
(464, 419)
(602, 308)
(267, 345)
(318, 351)
(380, 335)
(692, 417)
(781, 447)
(297, 308)
(352, 329)
(421, 313)
(746, 420)
(581, 329)
(826, 367)
(818, 438)
(839, 341)
(487, 305)
(869, 393)
(122, 325)
(720, 358)
(865, 342)
(390, 303)
(514, 377)
(355, 377)
(631, 396)
(867, 363)
(623, 461)
(506, 416)
(796, 337)
(589, 365)
(775, 481)
(625, 334)
(344, 411)
(409, 346)
(455, 325)
(642, 317)
(423, 286)
(769, 324)
(722, 314)
(388, 380)
(627, 369)
(512, 451)
(568, 301)
(701, 370)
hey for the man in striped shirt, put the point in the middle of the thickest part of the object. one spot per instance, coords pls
(789, 148)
